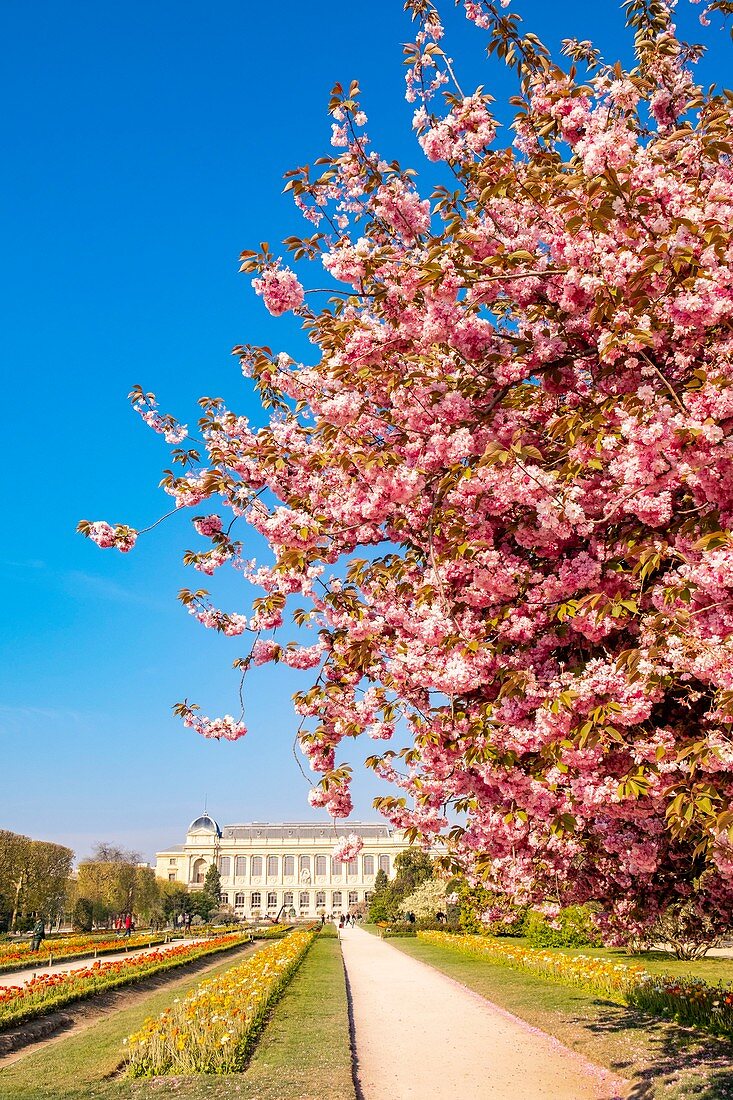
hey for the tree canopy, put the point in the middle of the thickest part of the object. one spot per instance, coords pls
(501, 494)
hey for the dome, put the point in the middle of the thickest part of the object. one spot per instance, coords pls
(204, 824)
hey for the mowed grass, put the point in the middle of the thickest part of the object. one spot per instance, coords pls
(662, 1061)
(303, 1054)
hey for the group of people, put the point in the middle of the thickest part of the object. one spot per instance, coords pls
(345, 920)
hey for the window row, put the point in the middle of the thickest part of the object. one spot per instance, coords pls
(304, 865)
(304, 896)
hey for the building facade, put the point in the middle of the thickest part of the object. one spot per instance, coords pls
(269, 869)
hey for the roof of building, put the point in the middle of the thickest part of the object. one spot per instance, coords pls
(204, 823)
(305, 830)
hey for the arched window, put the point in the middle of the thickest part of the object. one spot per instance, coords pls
(336, 867)
(337, 899)
(198, 873)
(304, 899)
(353, 897)
(288, 865)
(272, 900)
(239, 901)
(272, 866)
(368, 866)
(321, 865)
(352, 867)
(240, 866)
(321, 899)
(225, 864)
(304, 864)
(288, 899)
(223, 899)
(256, 900)
(368, 895)
(384, 864)
(256, 866)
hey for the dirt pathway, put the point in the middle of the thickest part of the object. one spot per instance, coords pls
(418, 1034)
(20, 977)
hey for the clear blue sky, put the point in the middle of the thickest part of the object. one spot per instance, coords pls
(144, 146)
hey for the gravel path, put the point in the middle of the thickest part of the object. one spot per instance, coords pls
(419, 1034)
(20, 977)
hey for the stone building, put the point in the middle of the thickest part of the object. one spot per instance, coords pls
(269, 868)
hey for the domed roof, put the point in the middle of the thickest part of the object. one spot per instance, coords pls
(204, 824)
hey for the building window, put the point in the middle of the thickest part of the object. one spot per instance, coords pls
(353, 897)
(321, 865)
(223, 899)
(384, 864)
(335, 867)
(199, 870)
(172, 862)
(225, 864)
(352, 868)
(289, 865)
(172, 876)
(272, 900)
(305, 864)
(368, 895)
(304, 899)
(368, 865)
(288, 899)
(240, 866)
(321, 899)
(256, 867)
(239, 901)
(337, 899)
(272, 866)
(256, 900)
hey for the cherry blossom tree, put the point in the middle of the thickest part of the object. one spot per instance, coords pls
(501, 493)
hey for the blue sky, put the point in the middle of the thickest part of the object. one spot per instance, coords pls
(144, 148)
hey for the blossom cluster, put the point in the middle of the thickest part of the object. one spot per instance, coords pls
(502, 491)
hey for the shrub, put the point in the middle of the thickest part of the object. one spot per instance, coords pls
(573, 927)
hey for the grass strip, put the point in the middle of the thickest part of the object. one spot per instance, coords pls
(304, 1052)
(663, 1060)
(49, 992)
(687, 1000)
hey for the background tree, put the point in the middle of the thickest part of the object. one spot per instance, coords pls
(502, 493)
(212, 883)
(115, 883)
(34, 878)
(427, 900)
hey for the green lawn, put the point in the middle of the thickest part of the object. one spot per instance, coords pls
(304, 1052)
(663, 1061)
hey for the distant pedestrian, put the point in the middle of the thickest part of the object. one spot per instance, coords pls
(38, 934)
(323, 919)
(128, 926)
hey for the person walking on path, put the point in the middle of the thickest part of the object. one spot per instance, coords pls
(128, 926)
(38, 934)
(419, 1034)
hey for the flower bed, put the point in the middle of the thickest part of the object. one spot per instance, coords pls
(51, 991)
(18, 956)
(213, 1029)
(689, 1001)
(608, 979)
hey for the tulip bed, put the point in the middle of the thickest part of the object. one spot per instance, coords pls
(51, 991)
(214, 1028)
(689, 1001)
(18, 956)
(608, 979)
